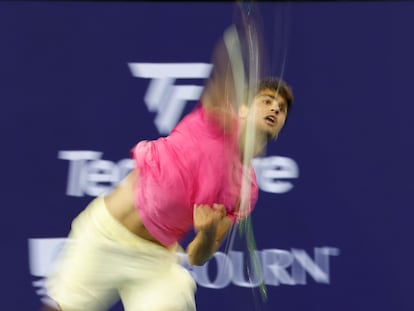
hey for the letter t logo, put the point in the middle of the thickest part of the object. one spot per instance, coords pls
(165, 98)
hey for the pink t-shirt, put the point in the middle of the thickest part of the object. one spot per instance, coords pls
(196, 164)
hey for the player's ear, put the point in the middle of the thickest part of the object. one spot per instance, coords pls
(243, 111)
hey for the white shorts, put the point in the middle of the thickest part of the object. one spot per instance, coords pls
(103, 261)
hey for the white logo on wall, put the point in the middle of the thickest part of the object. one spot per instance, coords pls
(90, 175)
(163, 96)
(42, 257)
(278, 266)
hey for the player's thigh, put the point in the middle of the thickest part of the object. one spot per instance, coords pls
(85, 276)
(171, 290)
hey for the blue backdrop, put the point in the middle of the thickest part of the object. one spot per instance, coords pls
(333, 223)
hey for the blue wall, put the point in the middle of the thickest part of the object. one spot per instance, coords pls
(334, 232)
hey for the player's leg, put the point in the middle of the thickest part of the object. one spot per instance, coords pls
(169, 287)
(85, 276)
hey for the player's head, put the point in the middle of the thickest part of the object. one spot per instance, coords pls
(269, 108)
(279, 86)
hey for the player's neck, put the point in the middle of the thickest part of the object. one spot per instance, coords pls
(251, 146)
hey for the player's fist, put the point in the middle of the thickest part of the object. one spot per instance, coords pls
(207, 217)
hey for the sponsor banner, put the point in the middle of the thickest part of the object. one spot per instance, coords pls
(277, 267)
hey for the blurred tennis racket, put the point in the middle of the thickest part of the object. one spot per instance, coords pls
(244, 44)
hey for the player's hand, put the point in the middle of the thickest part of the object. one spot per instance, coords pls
(208, 218)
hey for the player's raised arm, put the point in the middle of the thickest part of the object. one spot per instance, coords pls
(218, 97)
(238, 61)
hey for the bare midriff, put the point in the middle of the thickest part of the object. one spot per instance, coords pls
(120, 204)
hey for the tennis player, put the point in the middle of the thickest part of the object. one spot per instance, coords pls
(124, 245)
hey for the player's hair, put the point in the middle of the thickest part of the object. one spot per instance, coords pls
(278, 85)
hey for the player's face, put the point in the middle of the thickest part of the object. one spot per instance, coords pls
(269, 111)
